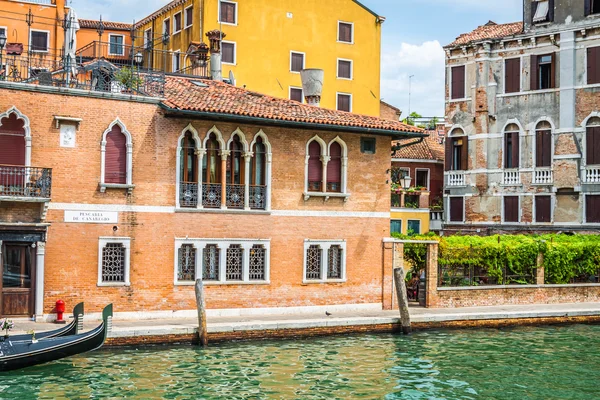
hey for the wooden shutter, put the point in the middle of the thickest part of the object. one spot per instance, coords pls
(464, 154)
(228, 12)
(228, 53)
(550, 10)
(296, 94)
(553, 71)
(534, 73)
(515, 150)
(297, 62)
(511, 208)
(448, 155)
(534, 6)
(587, 7)
(458, 82)
(345, 32)
(543, 209)
(592, 209)
(543, 148)
(343, 102)
(334, 168)
(115, 169)
(592, 144)
(12, 141)
(456, 209)
(189, 15)
(315, 167)
(512, 75)
(344, 69)
(593, 65)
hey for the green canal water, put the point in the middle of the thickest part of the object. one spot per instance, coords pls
(521, 363)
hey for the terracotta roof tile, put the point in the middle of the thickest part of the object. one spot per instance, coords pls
(189, 94)
(93, 24)
(429, 149)
(491, 30)
(165, 8)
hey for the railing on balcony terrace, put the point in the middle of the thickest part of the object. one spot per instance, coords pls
(258, 197)
(511, 177)
(436, 220)
(26, 182)
(235, 196)
(211, 195)
(591, 174)
(457, 178)
(188, 194)
(542, 176)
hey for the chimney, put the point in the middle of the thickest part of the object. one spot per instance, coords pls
(215, 37)
(312, 85)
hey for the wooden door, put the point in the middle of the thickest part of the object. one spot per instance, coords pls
(17, 285)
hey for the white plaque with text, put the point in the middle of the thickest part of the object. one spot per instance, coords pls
(92, 217)
(67, 135)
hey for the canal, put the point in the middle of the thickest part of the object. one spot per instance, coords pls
(518, 363)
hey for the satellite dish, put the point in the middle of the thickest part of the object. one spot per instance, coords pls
(231, 78)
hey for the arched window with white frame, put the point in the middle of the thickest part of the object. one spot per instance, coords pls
(258, 175)
(315, 167)
(543, 154)
(511, 146)
(211, 173)
(188, 171)
(116, 163)
(235, 174)
(457, 151)
(592, 151)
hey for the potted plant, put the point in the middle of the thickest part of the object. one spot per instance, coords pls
(6, 325)
(127, 79)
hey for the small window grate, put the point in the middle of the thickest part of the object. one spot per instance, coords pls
(257, 262)
(210, 269)
(235, 255)
(113, 263)
(367, 145)
(334, 270)
(313, 262)
(186, 270)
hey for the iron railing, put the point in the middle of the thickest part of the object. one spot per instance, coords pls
(188, 194)
(258, 197)
(211, 195)
(30, 182)
(235, 195)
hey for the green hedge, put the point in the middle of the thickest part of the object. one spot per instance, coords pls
(566, 257)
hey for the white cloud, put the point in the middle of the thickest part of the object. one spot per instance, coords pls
(426, 62)
(116, 10)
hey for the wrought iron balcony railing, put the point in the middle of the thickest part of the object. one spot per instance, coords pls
(258, 197)
(235, 196)
(211, 195)
(188, 194)
(26, 182)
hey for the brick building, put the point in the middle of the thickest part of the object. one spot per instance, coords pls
(111, 197)
(523, 122)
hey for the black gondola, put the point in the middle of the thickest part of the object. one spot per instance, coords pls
(25, 353)
(73, 328)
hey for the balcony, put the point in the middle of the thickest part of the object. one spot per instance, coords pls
(456, 179)
(542, 176)
(436, 220)
(591, 175)
(410, 198)
(511, 178)
(31, 184)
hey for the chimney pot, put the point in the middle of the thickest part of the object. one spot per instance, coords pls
(312, 85)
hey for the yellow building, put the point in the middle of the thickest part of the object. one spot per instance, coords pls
(267, 42)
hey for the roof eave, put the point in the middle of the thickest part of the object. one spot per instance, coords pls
(291, 124)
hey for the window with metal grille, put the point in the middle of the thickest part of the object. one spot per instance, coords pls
(334, 265)
(344, 69)
(186, 266)
(313, 262)
(345, 32)
(113, 263)
(177, 22)
(234, 263)
(258, 263)
(315, 167)
(210, 263)
(228, 12)
(296, 62)
(228, 52)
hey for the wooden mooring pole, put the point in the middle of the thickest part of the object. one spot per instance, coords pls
(201, 304)
(399, 281)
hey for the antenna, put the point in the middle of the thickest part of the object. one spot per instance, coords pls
(231, 78)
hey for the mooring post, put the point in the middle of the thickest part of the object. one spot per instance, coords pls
(201, 304)
(399, 280)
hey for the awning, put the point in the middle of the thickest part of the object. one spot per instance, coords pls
(541, 12)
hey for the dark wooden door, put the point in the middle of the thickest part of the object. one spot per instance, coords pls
(18, 274)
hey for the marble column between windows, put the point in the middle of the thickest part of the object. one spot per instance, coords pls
(247, 159)
(224, 155)
(325, 161)
(200, 153)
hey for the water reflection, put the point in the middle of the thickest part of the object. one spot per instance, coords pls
(532, 363)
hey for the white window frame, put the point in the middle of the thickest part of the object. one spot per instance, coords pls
(129, 143)
(519, 206)
(3, 60)
(533, 131)
(146, 41)
(236, 12)
(351, 69)
(126, 242)
(292, 52)
(164, 24)
(464, 212)
(110, 44)
(325, 246)
(584, 206)
(297, 88)
(413, 220)
(344, 94)
(185, 21)
(401, 226)
(176, 55)
(552, 205)
(223, 244)
(338, 32)
(428, 176)
(175, 30)
(325, 157)
(234, 53)
(47, 41)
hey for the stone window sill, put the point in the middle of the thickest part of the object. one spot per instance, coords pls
(221, 211)
(326, 196)
(104, 186)
(116, 284)
(228, 283)
(320, 281)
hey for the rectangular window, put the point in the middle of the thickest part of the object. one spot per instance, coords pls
(148, 38)
(543, 209)
(296, 61)
(459, 153)
(396, 226)
(176, 61)
(167, 27)
(511, 208)
(511, 150)
(543, 148)
(39, 41)
(457, 209)
(592, 7)
(234, 264)
(177, 23)
(228, 12)
(458, 82)
(422, 178)
(189, 16)
(543, 74)
(186, 263)
(368, 145)
(113, 261)
(414, 227)
(540, 9)
(324, 261)
(345, 32)
(211, 255)
(593, 65)
(512, 75)
(116, 47)
(344, 102)
(228, 52)
(592, 145)
(592, 209)
(296, 94)
(344, 70)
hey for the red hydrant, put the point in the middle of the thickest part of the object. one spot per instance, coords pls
(60, 309)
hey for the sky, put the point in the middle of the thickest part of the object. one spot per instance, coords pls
(413, 36)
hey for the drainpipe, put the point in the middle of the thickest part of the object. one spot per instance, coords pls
(214, 37)
(312, 85)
